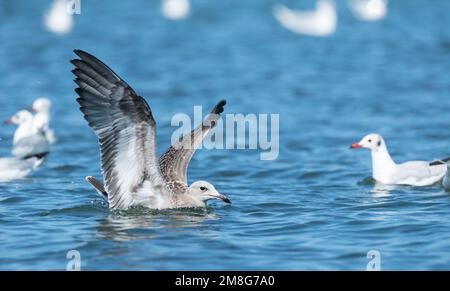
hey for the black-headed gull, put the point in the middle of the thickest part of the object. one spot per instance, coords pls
(28, 140)
(320, 22)
(42, 107)
(126, 129)
(386, 171)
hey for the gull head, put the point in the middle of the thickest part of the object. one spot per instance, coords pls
(205, 191)
(20, 117)
(41, 105)
(371, 141)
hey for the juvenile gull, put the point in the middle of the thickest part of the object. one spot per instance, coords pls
(386, 171)
(126, 129)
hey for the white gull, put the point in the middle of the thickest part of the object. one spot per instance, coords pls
(28, 140)
(320, 22)
(175, 9)
(12, 168)
(58, 19)
(386, 171)
(368, 10)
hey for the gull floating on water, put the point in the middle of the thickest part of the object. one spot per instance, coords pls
(41, 119)
(126, 129)
(320, 22)
(175, 9)
(368, 10)
(28, 139)
(58, 19)
(12, 168)
(386, 171)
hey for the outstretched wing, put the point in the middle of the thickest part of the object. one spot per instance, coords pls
(124, 125)
(175, 161)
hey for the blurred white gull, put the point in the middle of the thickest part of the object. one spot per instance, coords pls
(386, 171)
(12, 168)
(320, 22)
(175, 9)
(28, 139)
(368, 10)
(41, 120)
(58, 19)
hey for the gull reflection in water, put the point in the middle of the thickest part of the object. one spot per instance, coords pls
(141, 223)
(382, 190)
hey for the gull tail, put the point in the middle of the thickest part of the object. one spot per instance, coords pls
(98, 186)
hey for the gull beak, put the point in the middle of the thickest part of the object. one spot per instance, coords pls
(226, 200)
(8, 121)
(223, 198)
(356, 146)
(31, 109)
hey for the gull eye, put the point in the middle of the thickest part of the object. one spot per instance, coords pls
(203, 188)
(370, 140)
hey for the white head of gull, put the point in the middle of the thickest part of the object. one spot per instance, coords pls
(319, 22)
(126, 129)
(42, 107)
(386, 171)
(25, 127)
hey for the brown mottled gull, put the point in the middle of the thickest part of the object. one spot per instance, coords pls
(126, 129)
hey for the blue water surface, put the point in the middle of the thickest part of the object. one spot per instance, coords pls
(313, 208)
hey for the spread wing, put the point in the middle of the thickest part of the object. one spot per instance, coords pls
(175, 161)
(124, 125)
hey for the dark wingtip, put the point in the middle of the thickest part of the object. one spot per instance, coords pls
(79, 52)
(83, 55)
(219, 107)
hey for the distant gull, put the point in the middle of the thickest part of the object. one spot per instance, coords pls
(386, 171)
(320, 22)
(58, 19)
(368, 10)
(41, 119)
(12, 168)
(126, 129)
(175, 9)
(28, 139)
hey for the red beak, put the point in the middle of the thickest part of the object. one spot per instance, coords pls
(356, 146)
(8, 121)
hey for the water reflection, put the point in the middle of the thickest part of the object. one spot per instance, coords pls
(382, 190)
(141, 223)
